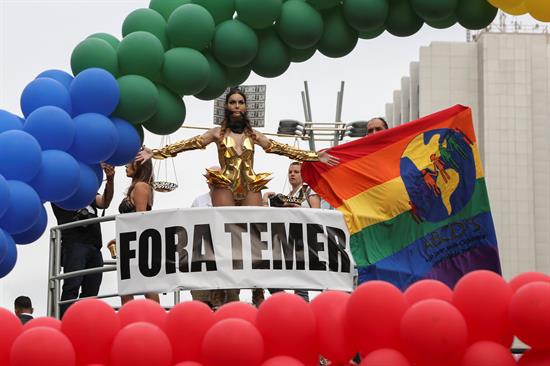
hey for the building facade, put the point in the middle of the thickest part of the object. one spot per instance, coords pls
(505, 79)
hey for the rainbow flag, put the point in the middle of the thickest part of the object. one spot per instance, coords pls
(414, 200)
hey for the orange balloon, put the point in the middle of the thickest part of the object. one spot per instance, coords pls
(515, 10)
(501, 4)
(539, 9)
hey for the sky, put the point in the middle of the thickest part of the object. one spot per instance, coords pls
(37, 35)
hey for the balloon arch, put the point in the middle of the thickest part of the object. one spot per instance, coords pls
(178, 48)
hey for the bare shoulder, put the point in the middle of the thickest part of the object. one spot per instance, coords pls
(142, 187)
(215, 133)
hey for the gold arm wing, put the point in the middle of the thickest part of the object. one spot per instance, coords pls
(169, 151)
(291, 152)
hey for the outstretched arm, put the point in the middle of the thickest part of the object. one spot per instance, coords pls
(274, 147)
(168, 151)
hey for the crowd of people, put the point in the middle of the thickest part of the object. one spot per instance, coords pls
(233, 183)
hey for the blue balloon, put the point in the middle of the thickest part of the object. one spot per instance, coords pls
(58, 178)
(98, 170)
(59, 75)
(94, 91)
(129, 143)
(35, 231)
(86, 191)
(9, 121)
(23, 209)
(3, 244)
(4, 195)
(20, 155)
(42, 92)
(96, 138)
(52, 127)
(7, 264)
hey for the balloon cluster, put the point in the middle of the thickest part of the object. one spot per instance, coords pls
(428, 325)
(53, 154)
(199, 47)
(539, 10)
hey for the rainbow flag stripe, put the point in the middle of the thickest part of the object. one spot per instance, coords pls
(414, 200)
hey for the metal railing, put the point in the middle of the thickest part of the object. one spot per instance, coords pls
(55, 275)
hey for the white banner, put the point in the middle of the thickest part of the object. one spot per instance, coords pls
(233, 247)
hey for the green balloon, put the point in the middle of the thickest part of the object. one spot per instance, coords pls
(324, 4)
(217, 82)
(186, 71)
(301, 55)
(140, 53)
(434, 10)
(300, 25)
(146, 20)
(221, 10)
(372, 33)
(112, 40)
(94, 52)
(235, 44)
(444, 23)
(402, 21)
(237, 75)
(475, 14)
(139, 99)
(272, 59)
(166, 7)
(139, 130)
(366, 15)
(339, 38)
(191, 26)
(170, 114)
(259, 14)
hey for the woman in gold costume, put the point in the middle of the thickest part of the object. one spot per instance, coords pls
(237, 184)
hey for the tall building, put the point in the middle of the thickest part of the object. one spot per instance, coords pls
(505, 79)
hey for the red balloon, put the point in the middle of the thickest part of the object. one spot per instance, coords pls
(233, 342)
(486, 353)
(433, 333)
(91, 325)
(237, 309)
(528, 277)
(42, 346)
(142, 310)
(428, 289)
(483, 298)
(141, 344)
(287, 325)
(11, 328)
(373, 314)
(188, 363)
(329, 309)
(43, 322)
(535, 358)
(282, 361)
(185, 326)
(530, 314)
(385, 357)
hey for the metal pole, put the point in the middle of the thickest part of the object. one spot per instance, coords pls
(310, 119)
(339, 103)
(51, 283)
(57, 270)
(177, 297)
(304, 104)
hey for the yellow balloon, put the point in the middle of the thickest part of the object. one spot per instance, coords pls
(502, 4)
(539, 9)
(515, 10)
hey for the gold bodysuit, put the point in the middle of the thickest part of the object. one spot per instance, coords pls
(237, 172)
